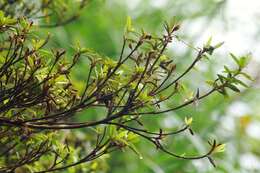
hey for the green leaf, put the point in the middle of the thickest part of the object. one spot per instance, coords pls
(246, 76)
(233, 87)
(208, 43)
(218, 45)
(241, 83)
(188, 121)
(219, 148)
(129, 27)
(235, 58)
(223, 91)
(222, 78)
(210, 82)
(243, 61)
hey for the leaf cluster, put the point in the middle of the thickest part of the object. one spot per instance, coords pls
(38, 100)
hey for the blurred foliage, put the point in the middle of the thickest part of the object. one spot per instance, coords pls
(108, 18)
(53, 13)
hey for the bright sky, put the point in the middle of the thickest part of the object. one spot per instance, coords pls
(243, 27)
(243, 32)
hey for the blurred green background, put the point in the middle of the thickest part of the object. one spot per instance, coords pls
(234, 120)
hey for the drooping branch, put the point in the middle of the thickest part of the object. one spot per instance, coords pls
(38, 97)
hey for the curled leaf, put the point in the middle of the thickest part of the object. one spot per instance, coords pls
(220, 148)
(129, 27)
(188, 121)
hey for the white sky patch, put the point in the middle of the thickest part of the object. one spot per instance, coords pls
(169, 122)
(253, 130)
(159, 3)
(250, 161)
(240, 36)
(228, 124)
(238, 109)
(134, 4)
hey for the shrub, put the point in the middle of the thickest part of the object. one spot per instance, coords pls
(39, 103)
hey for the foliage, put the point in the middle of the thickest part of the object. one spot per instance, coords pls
(39, 100)
(55, 13)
